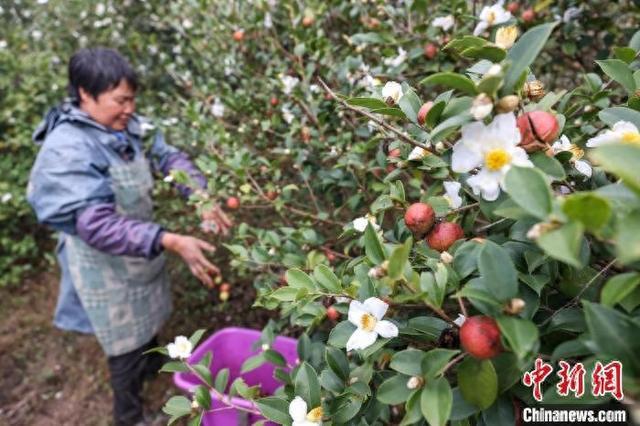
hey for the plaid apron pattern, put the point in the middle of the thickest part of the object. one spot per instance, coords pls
(127, 299)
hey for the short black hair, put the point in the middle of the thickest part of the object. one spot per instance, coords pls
(97, 70)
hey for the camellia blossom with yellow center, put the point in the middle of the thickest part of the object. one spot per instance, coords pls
(490, 16)
(300, 416)
(493, 149)
(621, 132)
(181, 348)
(367, 316)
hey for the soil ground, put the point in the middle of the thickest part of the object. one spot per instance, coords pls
(49, 377)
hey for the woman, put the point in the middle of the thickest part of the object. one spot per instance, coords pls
(91, 181)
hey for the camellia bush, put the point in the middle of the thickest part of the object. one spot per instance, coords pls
(501, 233)
(426, 216)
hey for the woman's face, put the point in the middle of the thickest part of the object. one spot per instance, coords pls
(113, 108)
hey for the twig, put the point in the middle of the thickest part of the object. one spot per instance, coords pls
(463, 308)
(484, 228)
(575, 300)
(375, 119)
(453, 362)
(463, 208)
(313, 197)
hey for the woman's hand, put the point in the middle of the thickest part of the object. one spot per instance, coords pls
(191, 251)
(216, 221)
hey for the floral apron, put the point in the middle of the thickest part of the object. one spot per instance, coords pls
(127, 299)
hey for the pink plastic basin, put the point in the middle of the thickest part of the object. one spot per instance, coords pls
(230, 348)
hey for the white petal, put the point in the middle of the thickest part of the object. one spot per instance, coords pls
(519, 157)
(624, 126)
(173, 350)
(505, 128)
(386, 329)
(361, 339)
(452, 190)
(360, 224)
(480, 28)
(487, 184)
(298, 409)
(376, 307)
(583, 167)
(607, 137)
(464, 159)
(356, 310)
(473, 134)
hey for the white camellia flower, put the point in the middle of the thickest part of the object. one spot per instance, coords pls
(300, 416)
(564, 145)
(490, 16)
(398, 60)
(444, 22)
(494, 149)
(217, 109)
(289, 83)
(180, 348)
(360, 224)
(287, 115)
(393, 90)
(452, 193)
(417, 153)
(367, 317)
(622, 131)
(6, 197)
(481, 106)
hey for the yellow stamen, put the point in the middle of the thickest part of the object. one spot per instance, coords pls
(368, 322)
(577, 152)
(631, 137)
(497, 159)
(315, 415)
(491, 17)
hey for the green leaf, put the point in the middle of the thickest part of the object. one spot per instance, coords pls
(196, 336)
(274, 409)
(203, 373)
(523, 53)
(202, 396)
(529, 189)
(625, 54)
(434, 361)
(346, 409)
(285, 294)
(549, 165)
(393, 112)
(373, 246)
(563, 243)
(222, 380)
(408, 361)
(452, 80)
(465, 42)
(307, 385)
(448, 126)
(296, 278)
(340, 334)
(274, 358)
(628, 238)
(371, 103)
(587, 208)
(434, 114)
(614, 334)
(620, 159)
(394, 390)
(410, 104)
(619, 287)
(327, 279)
(436, 400)
(398, 259)
(620, 72)
(497, 271)
(488, 52)
(520, 334)
(174, 367)
(478, 382)
(338, 362)
(253, 362)
(612, 115)
(177, 406)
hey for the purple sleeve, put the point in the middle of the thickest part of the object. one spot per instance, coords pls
(102, 228)
(180, 161)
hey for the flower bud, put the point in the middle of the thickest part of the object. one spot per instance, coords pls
(265, 347)
(507, 104)
(415, 382)
(446, 257)
(533, 90)
(539, 229)
(482, 106)
(514, 306)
